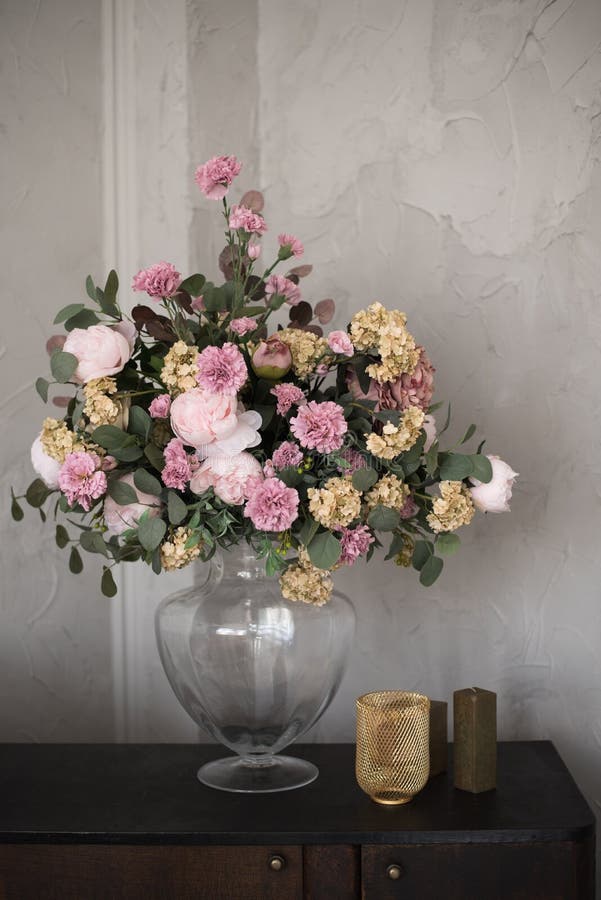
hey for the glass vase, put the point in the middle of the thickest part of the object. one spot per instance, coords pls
(256, 670)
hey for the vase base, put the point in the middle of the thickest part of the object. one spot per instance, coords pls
(281, 773)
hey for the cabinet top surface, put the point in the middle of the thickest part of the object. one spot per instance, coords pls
(149, 793)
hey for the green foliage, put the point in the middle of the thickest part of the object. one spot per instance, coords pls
(63, 366)
(447, 544)
(176, 508)
(82, 319)
(67, 311)
(155, 457)
(121, 492)
(382, 518)
(15, 509)
(75, 561)
(61, 536)
(481, 468)
(455, 466)
(37, 493)
(193, 285)
(147, 483)
(91, 288)
(41, 386)
(430, 571)
(93, 542)
(151, 532)
(107, 583)
(140, 422)
(324, 550)
(422, 552)
(364, 479)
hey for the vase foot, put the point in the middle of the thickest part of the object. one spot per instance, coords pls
(281, 773)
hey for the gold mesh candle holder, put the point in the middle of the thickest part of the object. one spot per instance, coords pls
(393, 760)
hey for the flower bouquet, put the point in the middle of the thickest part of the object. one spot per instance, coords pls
(196, 423)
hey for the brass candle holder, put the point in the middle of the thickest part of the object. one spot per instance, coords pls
(393, 760)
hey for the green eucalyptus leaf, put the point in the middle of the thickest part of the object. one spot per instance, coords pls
(176, 508)
(112, 438)
(147, 483)
(63, 366)
(62, 536)
(16, 510)
(37, 493)
(308, 530)
(82, 319)
(151, 532)
(421, 553)
(455, 466)
(324, 550)
(122, 493)
(481, 468)
(67, 311)
(364, 479)
(91, 288)
(468, 434)
(382, 518)
(75, 561)
(140, 422)
(430, 571)
(93, 542)
(447, 544)
(107, 583)
(128, 454)
(155, 457)
(290, 476)
(41, 386)
(193, 285)
(447, 421)
(157, 565)
(431, 459)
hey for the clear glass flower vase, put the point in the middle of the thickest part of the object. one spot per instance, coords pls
(256, 670)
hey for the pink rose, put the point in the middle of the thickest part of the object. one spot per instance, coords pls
(340, 343)
(215, 176)
(45, 466)
(160, 406)
(119, 518)
(228, 476)
(214, 423)
(495, 496)
(272, 359)
(101, 350)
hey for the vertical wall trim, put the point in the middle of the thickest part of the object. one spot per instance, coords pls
(120, 252)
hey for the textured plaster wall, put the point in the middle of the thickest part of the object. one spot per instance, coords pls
(55, 666)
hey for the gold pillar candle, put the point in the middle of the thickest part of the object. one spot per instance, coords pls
(475, 741)
(438, 737)
(392, 761)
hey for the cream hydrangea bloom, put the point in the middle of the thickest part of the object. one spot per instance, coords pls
(307, 349)
(389, 491)
(337, 503)
(99, 407)
(452, 509)
(57, 441)
(384, 332)
(304, 582)
(174, 554)
(180, 368)
(396, 439)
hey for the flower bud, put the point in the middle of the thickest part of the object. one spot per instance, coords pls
(272, 359)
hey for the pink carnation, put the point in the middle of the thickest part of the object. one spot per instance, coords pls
(198, 303)
(269, 469)
(249, 221)
(160, 406)
(287, 454)
(340, 343)
(81, 478)
(320, 426)
(355, 461)
(290, 245)
(355, 542)
(278, 284)
(287, 394)
(253, 251)
(177, 471)
(272, 506)
(215, 176)
(243, 325)
(221, 370)
(160, 280)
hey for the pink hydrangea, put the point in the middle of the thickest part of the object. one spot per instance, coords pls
(249, 221)
(354, 459)
(81, 478)
(177, 471)
(279, 284)
(287, 394)
(215, 176)
(320, 426)
(221, 370)
(287, 454)
(243, 325)
(340, 343)
(272, 506)
(160, 406)
(290, 245)
(355, 542)
(160, 280)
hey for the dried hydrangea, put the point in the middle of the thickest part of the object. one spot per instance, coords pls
(304, 582)
(180, 368)
(306, 348)
(174, 553)
(99, 407)
(396, 439)
(336, 504)
(389, 491)
(452, 509)
(366, 326)
(57, 441)
(384, 332)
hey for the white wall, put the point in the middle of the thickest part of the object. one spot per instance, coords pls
(440, 156)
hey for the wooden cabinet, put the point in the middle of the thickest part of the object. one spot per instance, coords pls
(131, 822)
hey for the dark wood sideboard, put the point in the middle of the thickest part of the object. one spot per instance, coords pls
(97, 822)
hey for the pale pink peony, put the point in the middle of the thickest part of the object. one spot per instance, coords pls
(221, 370)
(272, 358)
(283, 287)
(287, 454)
(272, 506)
(45, 466)
(81, 478)
(247, 220)
(320, 426)
(232, 477)
(216, 175)
(119, 518)
(243, 325)
(253, 250)
(160, 406)
(495, 496)
(340, 343)
(159, 280)
(129, 332)
(101, 351)
(289, 246)
(177, 471)
(287, 395)
(214, 423)
(409, 390)
(355, 542)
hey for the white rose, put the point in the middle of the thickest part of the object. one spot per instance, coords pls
(46, 467)
(494, 496)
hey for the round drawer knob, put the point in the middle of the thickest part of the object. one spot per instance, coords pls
(277, 863)
(394, 872)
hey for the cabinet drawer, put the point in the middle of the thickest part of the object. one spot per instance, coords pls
(102, 872)
(542, 871)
